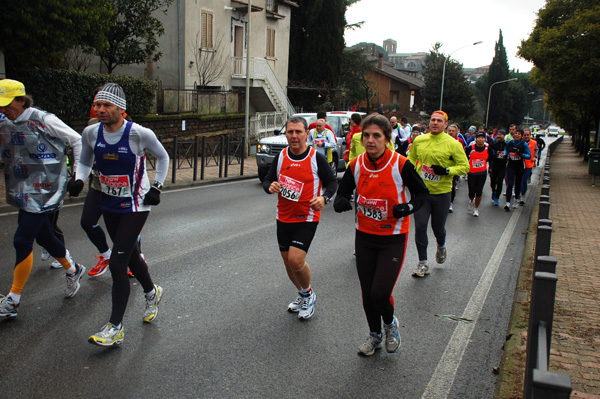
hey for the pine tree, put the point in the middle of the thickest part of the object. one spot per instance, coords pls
(499, 104)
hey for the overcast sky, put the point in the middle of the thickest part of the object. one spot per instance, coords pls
(417, 25)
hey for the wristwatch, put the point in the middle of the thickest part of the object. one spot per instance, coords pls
(327, 199)
(158, 185)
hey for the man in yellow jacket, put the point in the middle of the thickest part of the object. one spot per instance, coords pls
(438, 158)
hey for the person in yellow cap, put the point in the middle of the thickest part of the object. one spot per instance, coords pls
(439, 157)
(32, 144)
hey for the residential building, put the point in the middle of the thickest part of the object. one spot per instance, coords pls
(205, 47)
(395, 87)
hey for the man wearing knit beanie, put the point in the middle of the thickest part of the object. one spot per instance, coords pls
(119, 149)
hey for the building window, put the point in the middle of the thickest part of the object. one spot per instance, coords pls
(270, 43)
(271, 5)
(207, 31)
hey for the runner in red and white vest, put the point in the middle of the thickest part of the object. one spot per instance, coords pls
(297, 175)
(478, 154)
(380, 177)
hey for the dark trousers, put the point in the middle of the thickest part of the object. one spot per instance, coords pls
(124, 229)
(434, 206)
(379, 260)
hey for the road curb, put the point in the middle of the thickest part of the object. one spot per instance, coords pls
(512, 367)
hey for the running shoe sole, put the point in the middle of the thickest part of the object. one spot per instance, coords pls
(97, 341)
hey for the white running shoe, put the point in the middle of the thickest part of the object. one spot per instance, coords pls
(295, 306)
(422, 270)
(392, 337)
(56, 265)
(73, 281)
(307, 308)
(151, 310)
(516, 203)
(471, 205)
(450, 210)
(476, 212)
(109, 335)
(507, 207)
(373, 342)
(45, 255)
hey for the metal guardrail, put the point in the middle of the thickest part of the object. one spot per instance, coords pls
(263, 124)
(539, 382)
(189, 154)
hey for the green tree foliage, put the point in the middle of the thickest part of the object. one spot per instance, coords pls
(565, 49)
(317, 42)
(459, 100)
(38, 33)
(69, 94)
(501, 99)
(510, 101)
(131, 36)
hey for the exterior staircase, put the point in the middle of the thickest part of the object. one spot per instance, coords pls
(265, 90)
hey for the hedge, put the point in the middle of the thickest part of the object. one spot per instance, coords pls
(68, 94)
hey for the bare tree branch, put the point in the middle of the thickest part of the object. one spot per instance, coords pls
(210, 64)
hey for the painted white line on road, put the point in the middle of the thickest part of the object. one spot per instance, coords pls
(441, 382)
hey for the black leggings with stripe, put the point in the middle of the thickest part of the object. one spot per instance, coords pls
(124, 229)
(379, 260)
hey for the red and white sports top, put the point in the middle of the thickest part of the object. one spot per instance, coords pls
(300, 183)
(478, 160)
(378, 191)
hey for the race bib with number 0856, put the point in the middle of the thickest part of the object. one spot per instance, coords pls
(290, 189)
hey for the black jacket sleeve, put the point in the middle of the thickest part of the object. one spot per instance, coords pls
(328, 179)
(347, 185)
(271, 175)
(415, 185)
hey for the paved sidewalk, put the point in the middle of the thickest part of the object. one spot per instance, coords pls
(575, 347)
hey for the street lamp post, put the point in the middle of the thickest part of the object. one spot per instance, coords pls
(444, 69)
(534, 101)
(487, 113)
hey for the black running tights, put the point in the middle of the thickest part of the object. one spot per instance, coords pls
(124, 229)
(379, 260)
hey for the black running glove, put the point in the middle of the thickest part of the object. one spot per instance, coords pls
(152, 197)
(401, 210)
(341, 204)
(440, 170)
(74, 187)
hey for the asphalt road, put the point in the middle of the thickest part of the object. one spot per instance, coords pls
(223, 330)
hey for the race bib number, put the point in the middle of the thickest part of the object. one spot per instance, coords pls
(319, 142)
(375, 209)
(116, 185)
(478, 163)
(290, 189)
(514, 156)
(500, 155)
(428, 174)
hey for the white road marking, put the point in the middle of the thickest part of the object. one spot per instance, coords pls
(443, 377)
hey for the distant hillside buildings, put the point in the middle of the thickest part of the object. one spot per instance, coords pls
(410, 63)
